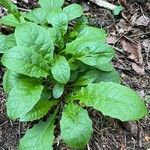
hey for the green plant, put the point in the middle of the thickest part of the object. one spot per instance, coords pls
(55, 69)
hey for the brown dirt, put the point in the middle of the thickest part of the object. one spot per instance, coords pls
(108, 134)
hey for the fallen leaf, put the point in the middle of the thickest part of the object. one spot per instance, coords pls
(147, 138)
(142, 21)
(111, 39)
(135, 54)
(138, 68)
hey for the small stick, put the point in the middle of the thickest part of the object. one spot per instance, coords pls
(104, 4)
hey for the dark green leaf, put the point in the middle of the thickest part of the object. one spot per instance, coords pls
(61, 70)
(113, 100)
(73, 11)
(40, 137)
(76, 126)
(26, 61)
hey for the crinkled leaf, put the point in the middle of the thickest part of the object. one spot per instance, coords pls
(6, 42)
(23, 97)
(76, 126)
(26, 61)
(9, 20)
(93, 33)
(39, 137)
(58, 20)
(29, 34)
(58, 90)
(38, 15)
(39, 110)
(61, 69)
(51, 4)
(73, 11)
(11, 7)
(113, 100)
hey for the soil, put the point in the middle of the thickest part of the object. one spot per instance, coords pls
(129, 34)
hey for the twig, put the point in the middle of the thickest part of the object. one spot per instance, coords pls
(104, 4)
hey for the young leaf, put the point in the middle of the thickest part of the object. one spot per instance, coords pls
(76, 126)
(38, 15)
(29, 34)
(23, 97)
(113, 100)
(58, 20)
(51, 4)
(9, 20)
(58, 90)
(11, 7)
(93, 33)
(40, 137)
(61, 69)
(73, 11)
(26, 61)
(39, 110)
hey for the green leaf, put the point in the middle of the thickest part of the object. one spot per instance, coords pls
(10, 79)
(86, 46)
(51, 4)
(58, 90)
(6, 42)
(88, 78)
(73, 11)
(58, 20)
(38, 16)
(108, 76)
(40, 137)
(26, 61)
(11, 7)
(39, 110)
(23, 97)
(61, 69)
(76, 126)
(9, 20)
(117, 10)
(93, 33)
(36, 36)
(113, 100)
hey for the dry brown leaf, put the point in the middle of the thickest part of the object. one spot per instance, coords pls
(142, 21)
(138, 68)
(135, 54)
(111, 39)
